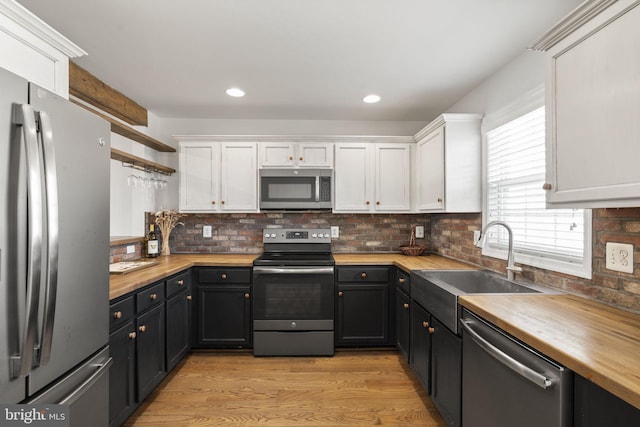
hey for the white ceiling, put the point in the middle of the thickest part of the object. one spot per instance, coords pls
(298, 59)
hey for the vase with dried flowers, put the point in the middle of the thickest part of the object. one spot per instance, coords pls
(167, 221)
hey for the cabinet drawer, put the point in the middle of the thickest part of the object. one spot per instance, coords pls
(150, 297)
(403, 281)
(177, 283)
(120, 313)
(224, 275)
(363, 274)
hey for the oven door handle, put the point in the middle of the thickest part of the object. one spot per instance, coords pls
(292, 270)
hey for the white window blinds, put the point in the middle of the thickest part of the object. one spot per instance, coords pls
(515, 175)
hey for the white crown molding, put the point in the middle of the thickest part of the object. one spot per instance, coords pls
(294, 138)
(574, 20)
(441, 120)
(27, 20)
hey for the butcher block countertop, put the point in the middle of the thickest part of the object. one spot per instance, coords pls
(599, 342)
(122, 284)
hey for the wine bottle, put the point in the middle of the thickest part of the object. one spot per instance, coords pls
(152, 242)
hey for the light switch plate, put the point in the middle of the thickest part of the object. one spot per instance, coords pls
(619, 257)
(206, 231)
(335, 231)
(419, 231)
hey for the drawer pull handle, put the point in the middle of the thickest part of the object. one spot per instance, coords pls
(153, 297)
(142, 328)
(189, 297)
(340, 293)
(401, 280)
(247, 296)
(180, 282)
(406, 306)
(117, 315)
(425, 324)
(431, 330)
(132, 335)
(223, 276)
(363, 275)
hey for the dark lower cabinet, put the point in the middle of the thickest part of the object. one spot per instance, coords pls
(446, 372)
(594, 406)
(150, 350)
(224, 316)
(403, 322)
(178, 327)
(420, 350)
(363, 313)
(122, 399)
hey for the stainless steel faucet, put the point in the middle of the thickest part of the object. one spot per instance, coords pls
(511, 267)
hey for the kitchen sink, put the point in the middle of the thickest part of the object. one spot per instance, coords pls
(438, 290)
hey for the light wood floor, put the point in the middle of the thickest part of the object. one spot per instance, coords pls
(353, 388)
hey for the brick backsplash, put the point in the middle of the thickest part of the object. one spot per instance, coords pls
(452, 236)
(242, 232)
(119, 253)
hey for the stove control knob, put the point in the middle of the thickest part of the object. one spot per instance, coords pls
(314, 235)
(273, 235)
(326, 235)
(266, 235)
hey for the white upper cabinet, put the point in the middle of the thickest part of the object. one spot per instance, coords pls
(33, 50)
(448, 165)
(296, 154)
(218, 176)
(372, 177)
(593, 105)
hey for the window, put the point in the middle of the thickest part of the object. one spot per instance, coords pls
(554, 239)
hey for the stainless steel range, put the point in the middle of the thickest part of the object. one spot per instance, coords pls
(293, 300)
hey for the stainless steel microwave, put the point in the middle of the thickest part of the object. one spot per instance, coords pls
(295, 188)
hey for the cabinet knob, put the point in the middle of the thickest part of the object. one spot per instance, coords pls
(189, 297)
(363, 275)
(222, 202)
(247, 296)
(223, 276)
(213, 202)
(180, 282)
(142, 328)
(301, 158)
(132, 335)
(290, 157)
(378, 202)
(368, 203)
(431, 330)
(406, 306)
(340, 293)
(153, 297)
(117, 315)
(439, 199)
(547, 186)
(401, 280)
(425, 324)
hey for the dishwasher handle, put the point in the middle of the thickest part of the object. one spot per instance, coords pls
(511, 363)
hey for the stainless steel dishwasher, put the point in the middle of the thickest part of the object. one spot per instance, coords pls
(506, 384)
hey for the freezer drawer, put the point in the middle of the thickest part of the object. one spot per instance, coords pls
(85, 390)
(505, 383)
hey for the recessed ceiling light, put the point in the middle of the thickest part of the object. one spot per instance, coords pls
(371, 99)
(235, 92)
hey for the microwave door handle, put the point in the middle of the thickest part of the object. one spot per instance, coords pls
(51, 274)
(24, 116)
(317, 188)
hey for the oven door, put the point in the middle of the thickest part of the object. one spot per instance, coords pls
(293, 298)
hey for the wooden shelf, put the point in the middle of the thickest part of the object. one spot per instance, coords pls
(128, 132)
(140, 163)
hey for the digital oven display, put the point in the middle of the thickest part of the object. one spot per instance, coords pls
(297, 234)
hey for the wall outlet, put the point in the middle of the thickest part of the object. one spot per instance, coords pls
(206, 231)
(335, 231)
(419, 231)
(619, 257)
(131, 249)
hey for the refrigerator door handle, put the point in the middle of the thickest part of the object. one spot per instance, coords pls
(24, 116)
(51, 212)
(77, 393)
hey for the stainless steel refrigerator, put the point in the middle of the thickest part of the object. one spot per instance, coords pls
(54, 252)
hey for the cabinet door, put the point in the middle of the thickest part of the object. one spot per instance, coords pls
(363, 313)
(199, 180)
(315, 155)
(277, 154)
(403, 306)
(594, 84)
(224, 316)
(392, 177)
(239, 181)
(430, 171)
(420, 358)
(352, 172)
(446, 372)
(178, 327)
(122, 349)
(150, 350)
